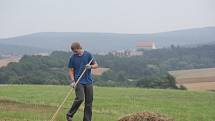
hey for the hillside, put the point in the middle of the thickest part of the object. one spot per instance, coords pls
(13, 49)
(38, 103)
(182, 58)
(103, 42)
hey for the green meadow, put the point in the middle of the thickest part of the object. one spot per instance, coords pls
(39, 102)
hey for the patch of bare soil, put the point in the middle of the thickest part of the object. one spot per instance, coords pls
(9, 105)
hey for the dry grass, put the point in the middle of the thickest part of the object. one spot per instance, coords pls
(4, 62)
(196, 79)
(209, 86)
(17, 111)
(145, 116)
(9, 105)
(194, 73)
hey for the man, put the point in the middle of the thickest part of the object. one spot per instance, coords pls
(84, 89)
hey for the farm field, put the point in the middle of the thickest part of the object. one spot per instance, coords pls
(196, 79)
(99, 71)
(5, 61)
(39, 102)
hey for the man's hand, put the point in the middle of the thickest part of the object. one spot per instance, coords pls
(72, 84)
(88, 66)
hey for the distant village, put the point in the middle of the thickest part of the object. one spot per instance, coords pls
(137, 51)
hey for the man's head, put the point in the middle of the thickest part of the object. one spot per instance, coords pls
(76, 48)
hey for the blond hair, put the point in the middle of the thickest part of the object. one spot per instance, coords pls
(75, 45)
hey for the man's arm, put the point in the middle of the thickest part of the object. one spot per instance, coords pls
(71, 74)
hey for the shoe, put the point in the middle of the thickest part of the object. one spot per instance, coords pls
(68, 118)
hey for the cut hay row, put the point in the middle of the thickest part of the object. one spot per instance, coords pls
(145, 116)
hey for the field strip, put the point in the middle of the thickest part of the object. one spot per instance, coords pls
(10, 105)
(208, 86)
(5, 61)
(193, 73)
(195, 80)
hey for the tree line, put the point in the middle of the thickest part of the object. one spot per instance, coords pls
(52, 69)
(149, 70)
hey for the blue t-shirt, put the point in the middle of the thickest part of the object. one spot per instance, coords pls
(78, 63)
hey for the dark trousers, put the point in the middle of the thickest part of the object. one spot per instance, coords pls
(83, 92)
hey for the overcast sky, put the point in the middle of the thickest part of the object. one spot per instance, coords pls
(18, 17)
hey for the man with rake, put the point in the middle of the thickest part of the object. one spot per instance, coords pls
(81, 60)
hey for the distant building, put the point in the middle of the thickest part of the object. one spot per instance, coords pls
(42, 54)
(127, 53)
(145, 45)
(102, 53)
(138, 51)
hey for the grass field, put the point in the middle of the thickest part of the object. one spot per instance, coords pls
(196, 79)
(38, 103)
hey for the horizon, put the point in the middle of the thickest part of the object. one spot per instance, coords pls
(106, 32)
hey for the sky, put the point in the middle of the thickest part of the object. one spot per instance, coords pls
(20, 17)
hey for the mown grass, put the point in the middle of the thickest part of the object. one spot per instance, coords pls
(38, 103)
